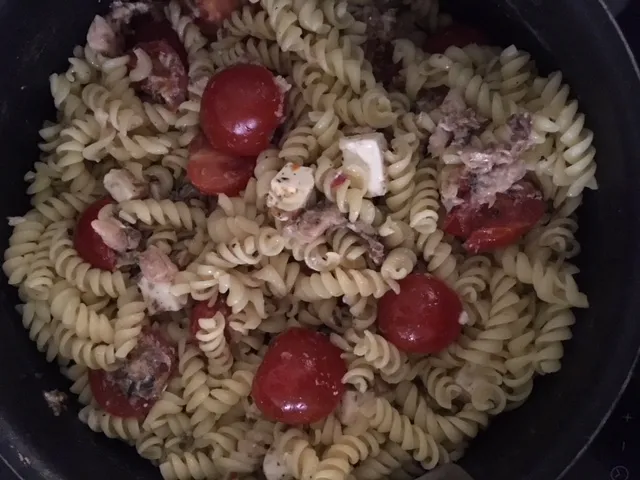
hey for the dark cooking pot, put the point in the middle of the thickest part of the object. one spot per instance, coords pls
(537, 442)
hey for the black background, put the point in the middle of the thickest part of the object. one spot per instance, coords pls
(615, 454)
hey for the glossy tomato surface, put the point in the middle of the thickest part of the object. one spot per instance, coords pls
(423, 318)
(89, 244)
(213, 172)
(487, 228)
(300, 379)
(106, 387)
(241, 108)
(456, 34)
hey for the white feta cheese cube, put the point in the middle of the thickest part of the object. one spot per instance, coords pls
(363, 156)
(159, 298)
(291, 188)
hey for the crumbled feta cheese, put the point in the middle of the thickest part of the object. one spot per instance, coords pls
(159, 298)
(363, 155)
(56, 401)
(291, 188)
(123, 186)
(463, 319)
(274, 467)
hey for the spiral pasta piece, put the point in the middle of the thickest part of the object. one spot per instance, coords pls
(71, 267)
(127, 429)
(68, 308)
(300, 458)
(162, 212)
(386, 419)
(341, 282)
(337, 462)
(213, 343)
(188, 465)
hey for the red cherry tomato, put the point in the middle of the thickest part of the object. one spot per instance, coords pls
(204, 310)
(133, 389)
(146, 29)
(455, 34)
(213, 172)
(488, 228)
(241, 108)
(89, 244)
(423, 318)
(300, 379)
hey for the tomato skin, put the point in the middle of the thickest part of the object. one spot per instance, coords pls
(423, 318)
(213, 172)
(241, 108)
(300, 378)
(456, 34)
(204, 310)
(111, 398)
(487, 228)
(487, 239)
(211, 13)
(89, 244)
(148, 29)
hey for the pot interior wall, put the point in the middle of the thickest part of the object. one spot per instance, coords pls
(535, 442)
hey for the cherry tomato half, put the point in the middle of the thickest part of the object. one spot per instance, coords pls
(89, 244)
(204, 310)
(213, 172)
(423, 318)
(454, 35)
(133, 389)
(300, 379)
(241, 108)
(488, 228)
(146, 29)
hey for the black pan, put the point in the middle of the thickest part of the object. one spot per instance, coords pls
(537, 442)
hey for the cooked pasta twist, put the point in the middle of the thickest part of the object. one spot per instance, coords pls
(82, 351)
(188, 465)
(270, 55)
(348, 199)
(341, 282)
(423, 213)
(71, 267)
(299, 456)
(475, 274)
(401, 168)
(249, 22)
(162, 212)
(438, 255)
(377, 351)
(386, 419)
(300, 146)
(212, 342)
(127, 429)
(325, 432)
(68, 308)
(338, 460)
(129, 321)
(551, 283)
(338, 60)
(285, 23)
